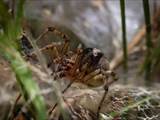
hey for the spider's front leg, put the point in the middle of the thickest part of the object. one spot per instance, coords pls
(113, 76)
(65, 45)
(54, 50)
(49, 50)
(108, 82)
(94, 79)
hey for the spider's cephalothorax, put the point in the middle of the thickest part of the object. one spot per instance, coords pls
(91, 56)
(88, 66)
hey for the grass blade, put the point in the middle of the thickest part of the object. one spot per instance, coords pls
(11, 33)
(123, 22)
(148, 61)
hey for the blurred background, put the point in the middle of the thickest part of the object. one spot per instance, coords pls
(126, 31)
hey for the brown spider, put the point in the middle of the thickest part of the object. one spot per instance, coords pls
(87, 66)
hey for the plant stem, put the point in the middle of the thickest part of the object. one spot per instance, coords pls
(149, 45)
(123, 22)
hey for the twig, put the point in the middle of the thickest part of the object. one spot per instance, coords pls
(118, 59)
(10, 116)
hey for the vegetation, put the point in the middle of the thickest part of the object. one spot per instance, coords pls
(11, 32)
(122, 6)
(149, 45)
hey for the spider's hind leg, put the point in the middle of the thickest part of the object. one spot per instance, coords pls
(54, 50)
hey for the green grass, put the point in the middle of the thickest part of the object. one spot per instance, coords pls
(11, 32)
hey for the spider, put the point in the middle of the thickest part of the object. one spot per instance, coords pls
(88, 66)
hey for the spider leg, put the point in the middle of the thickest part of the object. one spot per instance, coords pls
(46, 31)
(14, 106)
(91, 75)
(68, 86)
(55, 31)
(50, 50)
(58, 50)
(113, 75)
(54, 57)
(77, 62)
(102, 99)
(106, 86)
(65, 46)
(47, 49)
(94, 79)
(71, 82)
